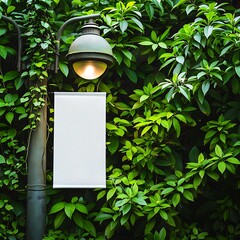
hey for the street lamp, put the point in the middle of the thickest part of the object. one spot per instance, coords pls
(90, 56)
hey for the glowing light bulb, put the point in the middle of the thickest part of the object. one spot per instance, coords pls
(89, 69)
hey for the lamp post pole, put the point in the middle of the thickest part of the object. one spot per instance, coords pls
(36, 185)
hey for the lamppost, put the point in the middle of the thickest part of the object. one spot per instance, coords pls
(90, 56)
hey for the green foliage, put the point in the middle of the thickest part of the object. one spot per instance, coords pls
(172, 119)
(11, 218)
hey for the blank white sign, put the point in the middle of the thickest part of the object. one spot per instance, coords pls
(79, 140)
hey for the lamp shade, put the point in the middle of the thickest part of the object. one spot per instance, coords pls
(90, 54)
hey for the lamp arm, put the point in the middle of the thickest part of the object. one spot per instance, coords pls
(10, 20)
(61, 29)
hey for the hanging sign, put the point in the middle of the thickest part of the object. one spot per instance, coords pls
(79, 140)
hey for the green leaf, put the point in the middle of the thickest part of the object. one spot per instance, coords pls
(149, 226)
(163, 214)
(190, 8)
(170, 95)
(44, 46)
(2, 159)
(69, 209)
(102, 216)
(167, 190)
(22, 148)
(223, 137)
(111, 126)
(81, 208)
(12, 133)
(177, 127)
(110, 193)
(162, 234)
(233, 160)
(185, 92)
(113, 145)
(131, 75)
(210, 133)
(9, 117)
(225, 50)
(176, 199)
(181, 118)
(204, 107)
(127, 54)
(162, 45)
(123, 25)
(218, 151)
(208, 31)
(213, 175)
(188, 195)
(10, 76)
(64, 68)
(10, 9)
(143, 98)
(59, 219)
(165, 124)
(149, 9)
(138, 23)
(78, 219)
(205, 87)
(8, 207)
(3, 52)
(18, 82)
(74, 199)
(139, 201)
(171, 221)
(2, 31)
(145, 130)
(10, 98)
(124, 219)
(222, 167)
(107, 210)
(101, 194)
(201, 173)
(121, 106)
(90, 87)
(57, 207)
(129, 154)
(126, 208)
(197, 181)
(231, 168)
(180, 59)
(237, 70)
(89, 227)
(110, 229)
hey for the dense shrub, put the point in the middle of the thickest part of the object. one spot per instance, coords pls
(172, 119)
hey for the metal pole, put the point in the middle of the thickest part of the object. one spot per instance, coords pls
(19, 55)
(36, 192)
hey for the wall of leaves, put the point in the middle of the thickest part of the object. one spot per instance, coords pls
(173, 116)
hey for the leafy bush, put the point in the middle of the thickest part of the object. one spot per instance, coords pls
(172, 119)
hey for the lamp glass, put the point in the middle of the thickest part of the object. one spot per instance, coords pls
(89, 69)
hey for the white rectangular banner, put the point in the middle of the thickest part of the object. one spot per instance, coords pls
(79, 140)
